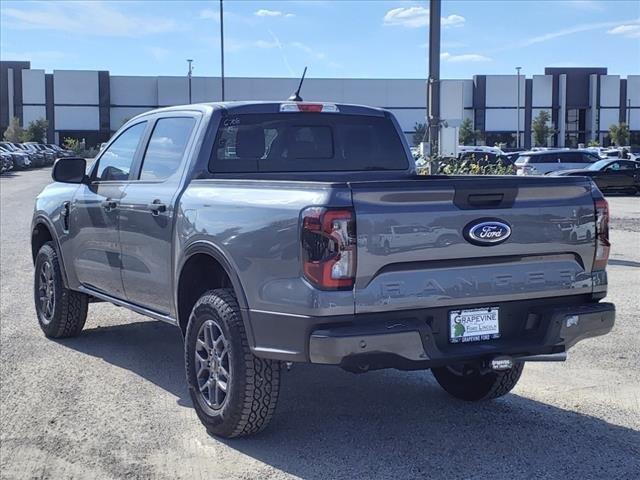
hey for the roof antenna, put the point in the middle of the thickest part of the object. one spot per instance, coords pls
(296, 95)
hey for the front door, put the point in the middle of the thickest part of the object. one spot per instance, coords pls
(147, 213)
(94, 243)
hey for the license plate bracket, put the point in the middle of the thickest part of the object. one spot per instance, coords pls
(474, 324)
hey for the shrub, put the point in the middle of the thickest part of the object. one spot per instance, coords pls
(14, 132)
(475, 166)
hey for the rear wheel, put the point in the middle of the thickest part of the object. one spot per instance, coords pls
(61, 312)
(233, 391)
(468, 382)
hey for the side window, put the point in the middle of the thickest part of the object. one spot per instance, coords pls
(627, 165)
(587, 158)
(115, 162)
(166, 147)
(549, 158)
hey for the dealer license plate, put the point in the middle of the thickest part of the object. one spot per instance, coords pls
(474, 325)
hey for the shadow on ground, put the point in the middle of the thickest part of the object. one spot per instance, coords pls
(389, 424)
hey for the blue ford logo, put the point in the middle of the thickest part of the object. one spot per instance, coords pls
(487, 232)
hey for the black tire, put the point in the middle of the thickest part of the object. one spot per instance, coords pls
(64, 315)
(253, 385)
(469, 383)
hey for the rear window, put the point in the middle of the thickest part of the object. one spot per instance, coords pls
(306, 142)
(522, 159)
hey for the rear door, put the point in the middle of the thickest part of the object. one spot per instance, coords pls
(538, 259)
(147, 211)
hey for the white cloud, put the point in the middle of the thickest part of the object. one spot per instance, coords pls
(453, 20)
(584, 27)
(268, 13)
(467, 57)
(416, 17)
(412, 17)
(87, 18)
(629, 30)
(208, 14)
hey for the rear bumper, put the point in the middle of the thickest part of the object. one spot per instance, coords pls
(420, 338)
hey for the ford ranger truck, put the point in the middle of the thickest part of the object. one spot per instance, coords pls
(259, 230)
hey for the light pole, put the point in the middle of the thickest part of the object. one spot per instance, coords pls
(518, 111)
(433, 85)
(190, 61)
(222, 49)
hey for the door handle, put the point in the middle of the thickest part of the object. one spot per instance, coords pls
(157, 207)
(109, 204)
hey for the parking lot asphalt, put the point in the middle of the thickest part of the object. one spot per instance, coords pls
(113, 402)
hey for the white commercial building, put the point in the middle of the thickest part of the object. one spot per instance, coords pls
(582, 102)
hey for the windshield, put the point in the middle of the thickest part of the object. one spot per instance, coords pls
(599, 165)
(307, 142)
(522, 159)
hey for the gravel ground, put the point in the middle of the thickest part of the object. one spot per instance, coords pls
(112, 403)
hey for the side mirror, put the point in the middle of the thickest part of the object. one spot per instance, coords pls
(70, 170)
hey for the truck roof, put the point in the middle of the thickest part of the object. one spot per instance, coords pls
(266, 107)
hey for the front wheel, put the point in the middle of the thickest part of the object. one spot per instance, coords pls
(61, 312)
(468, 382)
(233, 391)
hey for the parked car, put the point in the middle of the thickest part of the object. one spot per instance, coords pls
(6, 162)
(37, 158)
(62, 152)
(610, 175)
(49, 155)
(546, 161)
(479, 149)
(21, 159)
(243, 224)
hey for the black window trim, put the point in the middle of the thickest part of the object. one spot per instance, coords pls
(96, 163)
(136, 168)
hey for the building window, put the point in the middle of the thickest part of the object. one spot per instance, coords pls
(507, 139)
(634, 138)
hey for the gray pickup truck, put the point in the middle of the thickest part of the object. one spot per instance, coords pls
(258, 229)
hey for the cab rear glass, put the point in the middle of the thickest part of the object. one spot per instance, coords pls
(306, 142)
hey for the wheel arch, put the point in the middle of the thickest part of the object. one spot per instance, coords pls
(205, 267)
(43, 231)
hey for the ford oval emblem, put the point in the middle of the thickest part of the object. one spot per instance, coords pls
(487, 232)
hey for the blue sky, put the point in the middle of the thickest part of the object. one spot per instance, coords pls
(345, 39)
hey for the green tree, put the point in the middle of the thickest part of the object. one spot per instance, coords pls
(619, 134)
(541, 128)
(36, 131)
(466, 134)
(14, 132)
(594, 143)
(419, 133)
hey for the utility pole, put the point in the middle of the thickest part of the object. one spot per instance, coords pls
(222, 49)
(190, 62)
(518, 111)
(433, 85)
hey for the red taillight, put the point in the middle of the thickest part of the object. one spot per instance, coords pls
(310, 107)
(602, 234)
(329, 247)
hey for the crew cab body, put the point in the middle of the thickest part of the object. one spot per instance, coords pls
(296, 208)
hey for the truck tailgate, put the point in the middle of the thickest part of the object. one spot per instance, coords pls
(412, 250)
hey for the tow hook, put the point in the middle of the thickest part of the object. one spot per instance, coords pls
(500, 364)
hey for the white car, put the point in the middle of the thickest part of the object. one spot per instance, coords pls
(479, 148)
(544, 162)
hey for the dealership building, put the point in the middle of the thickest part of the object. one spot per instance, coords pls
(91, 105)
